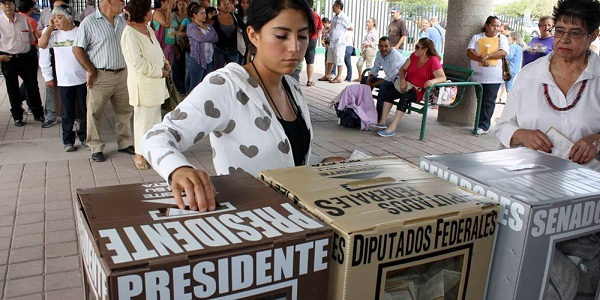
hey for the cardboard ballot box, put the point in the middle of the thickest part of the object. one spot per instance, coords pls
(399, 233)
(136, 244)
(549, 235)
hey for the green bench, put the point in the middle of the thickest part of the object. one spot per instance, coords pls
(460, 78)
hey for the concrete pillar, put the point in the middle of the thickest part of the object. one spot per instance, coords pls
(465, 18)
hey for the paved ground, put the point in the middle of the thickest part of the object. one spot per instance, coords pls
(38, 249)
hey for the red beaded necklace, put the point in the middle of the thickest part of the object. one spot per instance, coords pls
(583, 84)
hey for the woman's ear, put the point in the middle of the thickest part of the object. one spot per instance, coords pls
(253, 36)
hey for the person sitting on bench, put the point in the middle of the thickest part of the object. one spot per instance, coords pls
(390, 60)
(422, 70)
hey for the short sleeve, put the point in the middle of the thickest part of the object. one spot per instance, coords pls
(435, 64)
(504, 43)
(472, 44)
(82, 41)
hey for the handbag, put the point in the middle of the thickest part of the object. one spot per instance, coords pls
(184, 43)
(506, 76)
(174, 98)
(241, 43)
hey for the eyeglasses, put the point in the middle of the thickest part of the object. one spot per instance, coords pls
(574, 34)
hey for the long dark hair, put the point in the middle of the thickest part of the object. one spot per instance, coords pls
(193, 9)
(427, 42)
(586, 11)
(489, 21)
(262, 11)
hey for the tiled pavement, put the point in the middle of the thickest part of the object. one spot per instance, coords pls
(38, 249)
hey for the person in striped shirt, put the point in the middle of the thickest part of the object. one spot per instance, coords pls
(98, 50)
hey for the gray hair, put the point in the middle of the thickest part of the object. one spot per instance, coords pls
(64, 10)
(517, 39)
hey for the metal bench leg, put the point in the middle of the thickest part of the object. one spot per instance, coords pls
(424, 120)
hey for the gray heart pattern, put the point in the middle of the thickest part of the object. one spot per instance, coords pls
(177, 114)
(154, 133)
(251, 151)
(252, 82)
(163, 157)
(267, 110)
(242, 97)
(230, 127)
(211, 110)
(218, 134)
(233, 170)
(175, 134)
(217, 79)
(284, 146)
(199, 136)
(172, 144)
(263, 123)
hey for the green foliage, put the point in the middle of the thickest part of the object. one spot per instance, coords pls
(439, 3)
(538, 8)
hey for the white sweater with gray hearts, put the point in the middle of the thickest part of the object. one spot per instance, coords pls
(230, 107)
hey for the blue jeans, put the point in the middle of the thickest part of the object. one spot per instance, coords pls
(50, 111)
(197, 73)
(490, 91)
(187, 73)
(72, 96)
(225, 56)
(348, 62)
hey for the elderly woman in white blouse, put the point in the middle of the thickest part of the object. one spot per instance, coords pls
(146, 72)
(568, 97)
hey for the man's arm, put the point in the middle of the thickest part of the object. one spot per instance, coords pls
(84, 61)
(400, 42)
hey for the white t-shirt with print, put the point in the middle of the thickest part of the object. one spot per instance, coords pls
(68, 70)
(490, 74)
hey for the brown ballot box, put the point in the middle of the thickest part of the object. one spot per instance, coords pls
(136, 244)
(399, 233)
(548, 240)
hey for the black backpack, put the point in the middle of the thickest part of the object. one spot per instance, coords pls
(348, 118)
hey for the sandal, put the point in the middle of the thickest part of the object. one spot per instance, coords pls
(140, 162)
(335, 80)
(310, 83)
(323, 79)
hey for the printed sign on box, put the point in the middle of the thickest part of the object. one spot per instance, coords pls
(549, 235)
(136, 244)
(399, 233)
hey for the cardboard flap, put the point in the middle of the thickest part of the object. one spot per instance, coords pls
(138, 223)
(369, 194)
(533, 177)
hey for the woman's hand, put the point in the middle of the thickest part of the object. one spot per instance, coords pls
(429, 83)
(50, 83)
(533, 139)
(403, 85)
(198, 188)
(165, 73)
(333, 159)
(585, 149)
(484, 60)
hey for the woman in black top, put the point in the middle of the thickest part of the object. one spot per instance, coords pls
(226, 26)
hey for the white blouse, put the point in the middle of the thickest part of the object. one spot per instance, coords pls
(527, 107)
(244, 133)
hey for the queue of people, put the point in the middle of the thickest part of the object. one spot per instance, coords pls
(117, 59)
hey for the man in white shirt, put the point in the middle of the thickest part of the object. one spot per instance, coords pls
(19, 59)
(340, 23)
(390, 60)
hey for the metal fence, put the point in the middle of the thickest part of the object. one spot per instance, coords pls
(359, 11)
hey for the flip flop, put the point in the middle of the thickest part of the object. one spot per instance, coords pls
(310, 83)
(140, 163)
(335, 81)
(323, 79)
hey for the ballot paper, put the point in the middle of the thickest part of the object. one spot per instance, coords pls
(562, 146)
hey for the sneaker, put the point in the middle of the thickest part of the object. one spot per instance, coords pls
(48, 123)
(481, 131)
(386, 134)
(378, 127)
(84, 144)
(70, 148)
